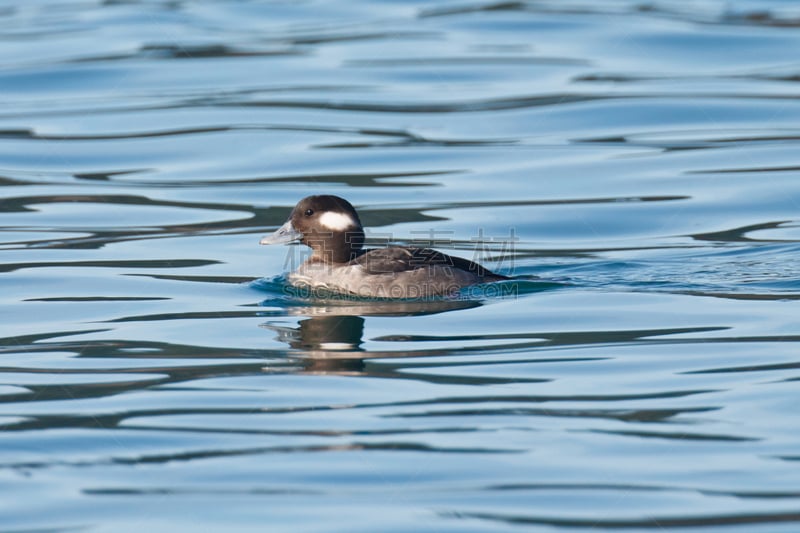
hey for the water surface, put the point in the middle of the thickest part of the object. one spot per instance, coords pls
(641, 159)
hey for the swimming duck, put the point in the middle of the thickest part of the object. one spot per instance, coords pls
(330, 226)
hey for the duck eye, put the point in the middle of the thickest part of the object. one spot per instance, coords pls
(309, 212)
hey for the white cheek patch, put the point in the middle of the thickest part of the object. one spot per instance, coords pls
(336, 346)
(336, 221)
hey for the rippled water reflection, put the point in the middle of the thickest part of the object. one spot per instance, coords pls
(634, 166)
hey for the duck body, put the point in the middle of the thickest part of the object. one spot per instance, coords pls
(330, 226)
(394, 272)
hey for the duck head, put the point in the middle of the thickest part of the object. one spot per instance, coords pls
(327, 224)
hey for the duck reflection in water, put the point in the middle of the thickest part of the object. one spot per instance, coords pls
(330, 338)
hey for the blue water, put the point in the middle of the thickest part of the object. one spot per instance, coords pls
(634, 166)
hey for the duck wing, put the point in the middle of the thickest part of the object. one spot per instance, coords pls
(402, 258)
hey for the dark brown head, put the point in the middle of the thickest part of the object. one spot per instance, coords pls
(329, 225)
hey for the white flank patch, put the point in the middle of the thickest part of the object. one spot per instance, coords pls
(336, 221)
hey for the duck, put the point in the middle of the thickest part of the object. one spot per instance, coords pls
(339, 263)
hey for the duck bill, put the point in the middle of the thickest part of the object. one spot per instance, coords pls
(284, 234)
